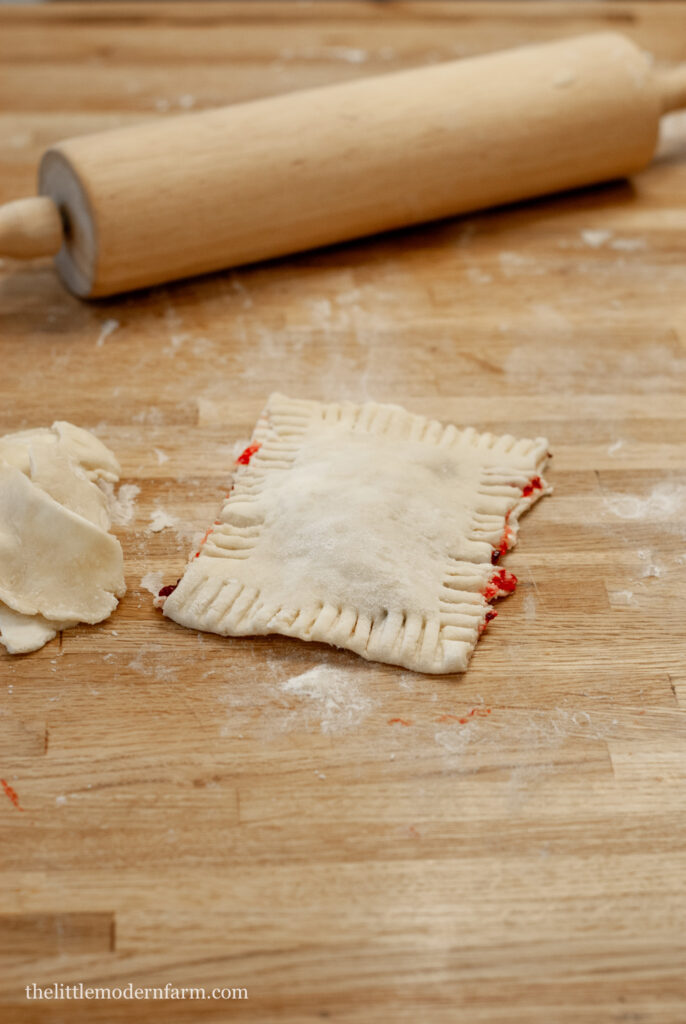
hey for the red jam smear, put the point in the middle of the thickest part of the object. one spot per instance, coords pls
(208, 531)
(480, 712)
(242, 460)
(505, 541)
(502, 582)
(490, 615)
(534, 485)
(245, 456)
(505, 580)
(169, 589)
(11, 795)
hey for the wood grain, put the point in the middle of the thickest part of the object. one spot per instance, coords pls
(187, 819)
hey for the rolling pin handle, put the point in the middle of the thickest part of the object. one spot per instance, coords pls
(672, 88)
(30, 228)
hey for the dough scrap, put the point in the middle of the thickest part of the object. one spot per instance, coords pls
(58, 563)
(366, 527)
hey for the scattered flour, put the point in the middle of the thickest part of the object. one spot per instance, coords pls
(477, 276)
(552, 319)
(153, 415)
(651, 570)
(595, 238)
(109, 327)
(122, 506)
(162, 457)
(456, 740)
(20, 140)
(533, 729)
(150, 661)
(664, 501)
(567, 368)
(350, 54)
(336, 697)
(177, 340)
(628, 244)
(614, 447)
(185, 102)
(160, 520)
(509, 260)
(152, 582)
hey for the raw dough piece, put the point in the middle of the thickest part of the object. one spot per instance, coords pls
(366, 527)
(58, 563)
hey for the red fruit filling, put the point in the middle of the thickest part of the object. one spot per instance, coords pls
(533, 485)
(490, 615)
(502, 582)
(245, 456)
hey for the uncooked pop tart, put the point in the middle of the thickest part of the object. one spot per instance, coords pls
(366, 527)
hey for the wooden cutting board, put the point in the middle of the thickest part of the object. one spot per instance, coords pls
(362, 844)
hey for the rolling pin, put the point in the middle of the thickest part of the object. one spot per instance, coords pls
(141, 205)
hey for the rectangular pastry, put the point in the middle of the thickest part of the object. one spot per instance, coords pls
(366, 527)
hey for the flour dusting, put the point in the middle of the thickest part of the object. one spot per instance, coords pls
(122, 505)
(109, 327)
(151, 661)
(152, 582)
(628, 244)
(529, 607)
(160, 520)
(595, 238)
(350, 54)
(664, 501)
(651, 569)
(533, 729)
(335, 697)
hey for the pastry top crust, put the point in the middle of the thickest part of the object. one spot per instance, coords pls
(363, 526)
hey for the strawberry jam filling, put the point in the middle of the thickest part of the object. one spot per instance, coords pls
(169, 589)
(242, 460)
(535, 484)
(490, 615)
(245, 456)
(505, 541)
(501, 584)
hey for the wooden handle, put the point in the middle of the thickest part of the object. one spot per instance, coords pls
(30, 227)
(671, 86)
(197, 193)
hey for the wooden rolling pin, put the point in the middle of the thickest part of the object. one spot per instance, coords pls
(185, 195)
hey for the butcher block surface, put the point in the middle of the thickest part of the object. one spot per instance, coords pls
(360, 844)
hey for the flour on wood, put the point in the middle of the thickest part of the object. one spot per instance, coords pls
(335, 697)
(160, 520)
